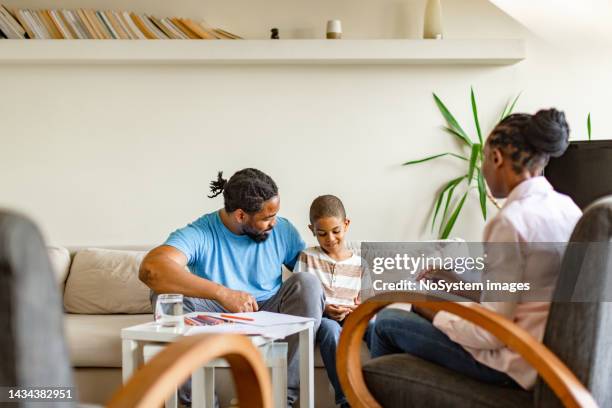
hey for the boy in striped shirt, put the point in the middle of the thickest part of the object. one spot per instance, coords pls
(339, 271)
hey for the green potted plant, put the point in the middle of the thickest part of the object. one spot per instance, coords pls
(447, 207)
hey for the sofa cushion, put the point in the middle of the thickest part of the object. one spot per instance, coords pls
(95, 340)
(60, 261)
(105, 281)
(402, 380)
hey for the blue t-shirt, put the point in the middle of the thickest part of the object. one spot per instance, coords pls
(236, 261)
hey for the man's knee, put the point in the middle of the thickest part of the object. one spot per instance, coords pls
(304, 296)
(306, 284)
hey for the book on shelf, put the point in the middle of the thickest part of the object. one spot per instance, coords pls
(97, 26)
(170, 33)
(197, 29)
(37, 24)
(136, 33)
(159, 34)
(123, 26)
(53, 31)
(226, 34)
(9, 26)
(117, 30)
(101, 24)
(76, 24)
(21, 17)
(181, 26)
(62, 25)
(167, 22)
(82, 18)
(33, 25)
(140, 24)
(109, 29)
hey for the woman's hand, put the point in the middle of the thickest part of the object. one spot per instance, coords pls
(424, 312)
(438, 274)
(449, 276)
(337, 312)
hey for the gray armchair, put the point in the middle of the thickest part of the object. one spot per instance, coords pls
(577, 347)
(34, 352)
(31, 326)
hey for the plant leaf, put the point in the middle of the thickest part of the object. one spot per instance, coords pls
(475, 112)
(482, 192)
(449, 198)
(450, 119)
(434, 157)
(514, 104)
(453, 218)
(508, 110)
(589, 125)
(473, 159)
(451, 184)
(503, 114)
(455, 133)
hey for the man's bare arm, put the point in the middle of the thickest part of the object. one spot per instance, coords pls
(163, 270)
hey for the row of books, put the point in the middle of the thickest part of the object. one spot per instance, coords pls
(91, 24)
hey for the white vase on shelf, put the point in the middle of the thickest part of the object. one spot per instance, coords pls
(432, 27)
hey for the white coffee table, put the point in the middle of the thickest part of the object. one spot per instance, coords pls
(142, 341)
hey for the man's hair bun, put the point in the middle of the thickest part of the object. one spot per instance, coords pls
(548, 132)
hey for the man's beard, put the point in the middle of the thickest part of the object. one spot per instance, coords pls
(255, 235)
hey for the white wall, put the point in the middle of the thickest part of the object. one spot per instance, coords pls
(124, 154)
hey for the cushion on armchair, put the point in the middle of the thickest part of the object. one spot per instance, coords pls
(403, 380)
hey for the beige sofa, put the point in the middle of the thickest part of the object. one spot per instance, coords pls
(102, 295)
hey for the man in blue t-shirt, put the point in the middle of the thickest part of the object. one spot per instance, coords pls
(235, 257)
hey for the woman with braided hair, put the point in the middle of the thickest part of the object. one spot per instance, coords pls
(515, 155)
(519, 147)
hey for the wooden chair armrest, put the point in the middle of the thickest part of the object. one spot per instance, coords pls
(154, 382)
(560, 379)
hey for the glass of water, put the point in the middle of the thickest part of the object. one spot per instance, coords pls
(169, 310)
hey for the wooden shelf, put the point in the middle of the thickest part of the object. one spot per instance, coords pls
(473, 52)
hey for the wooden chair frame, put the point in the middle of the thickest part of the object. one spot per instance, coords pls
(153, 383)
(552, 370)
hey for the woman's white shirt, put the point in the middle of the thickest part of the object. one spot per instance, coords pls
(532, 213)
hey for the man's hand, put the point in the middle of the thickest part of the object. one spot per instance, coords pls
(337, 312)
(237, 301)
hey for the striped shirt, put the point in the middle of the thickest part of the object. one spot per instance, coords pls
(341, 280)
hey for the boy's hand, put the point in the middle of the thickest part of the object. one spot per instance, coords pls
(337, 312)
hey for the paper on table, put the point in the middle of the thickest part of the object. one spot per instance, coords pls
(274, 333)
(266, 318)
(237, 328)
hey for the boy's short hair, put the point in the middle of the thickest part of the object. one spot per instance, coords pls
(326, 206)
